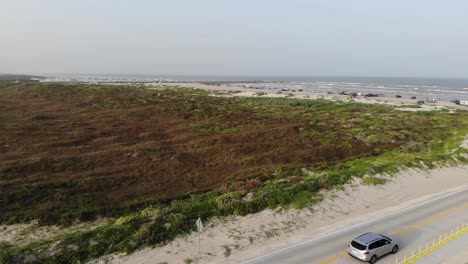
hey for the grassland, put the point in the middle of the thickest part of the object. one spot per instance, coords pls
(154, 160)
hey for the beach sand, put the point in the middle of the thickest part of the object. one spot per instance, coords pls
(236, 239)
(252, 92)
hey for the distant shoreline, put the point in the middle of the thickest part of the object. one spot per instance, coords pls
(298, 94)
(438, 89)
(20, 77)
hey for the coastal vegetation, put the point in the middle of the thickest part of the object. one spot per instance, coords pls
(153, 160)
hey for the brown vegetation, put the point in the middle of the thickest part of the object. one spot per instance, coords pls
(71, 151)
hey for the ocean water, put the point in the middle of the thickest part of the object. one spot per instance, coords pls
(440, 88)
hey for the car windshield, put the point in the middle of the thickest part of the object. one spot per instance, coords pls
(356, 245)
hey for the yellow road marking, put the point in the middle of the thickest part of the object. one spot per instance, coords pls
(434, 247)
(430, 220)
(405, 230)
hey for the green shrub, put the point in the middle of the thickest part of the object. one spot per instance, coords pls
(372, 139)
(229, 202)
(143, 235)
(304, 199)
(373, 180)
(5, 256)
(414, 147)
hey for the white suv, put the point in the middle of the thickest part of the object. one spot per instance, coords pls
(370, 246)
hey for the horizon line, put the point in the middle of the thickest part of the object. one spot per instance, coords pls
(246, 75)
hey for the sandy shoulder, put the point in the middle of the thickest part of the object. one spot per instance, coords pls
(237, 239)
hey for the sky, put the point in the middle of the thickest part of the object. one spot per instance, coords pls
(420, 38)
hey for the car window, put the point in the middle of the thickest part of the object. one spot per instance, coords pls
(357, 245)
(379, 243)
(374, 245)
(385, 242)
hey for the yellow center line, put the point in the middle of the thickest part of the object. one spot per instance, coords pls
(430, 220)
(407, 229)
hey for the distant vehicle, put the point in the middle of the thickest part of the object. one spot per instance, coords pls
(397, 96)
(371, 246)
(413, 97)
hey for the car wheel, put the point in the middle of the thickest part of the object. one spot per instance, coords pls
(395, 250)
(373, 259)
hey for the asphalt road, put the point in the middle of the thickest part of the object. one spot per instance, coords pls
(413, 226)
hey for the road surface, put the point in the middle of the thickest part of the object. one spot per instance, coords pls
(413, 226)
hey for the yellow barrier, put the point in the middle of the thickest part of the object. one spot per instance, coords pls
(429, 247)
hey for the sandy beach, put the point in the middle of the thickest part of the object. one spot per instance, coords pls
(253, 92)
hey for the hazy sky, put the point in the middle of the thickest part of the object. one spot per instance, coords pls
(236, 37)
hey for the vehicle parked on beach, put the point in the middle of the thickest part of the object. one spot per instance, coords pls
(371, 246)
(373, 95)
